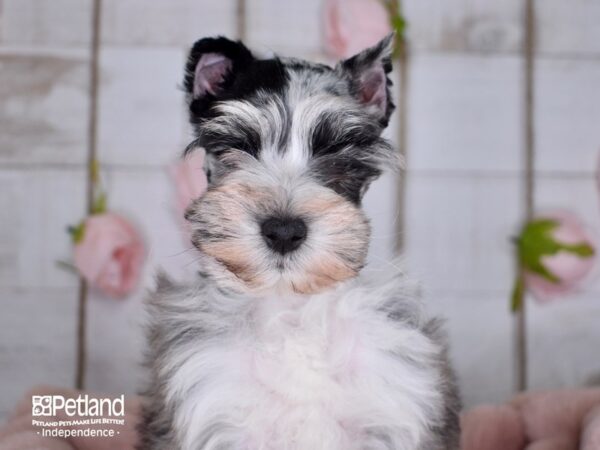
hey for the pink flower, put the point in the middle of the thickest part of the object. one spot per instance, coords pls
(353, 25)
(569, 265)
(190, 179)
(110, 254)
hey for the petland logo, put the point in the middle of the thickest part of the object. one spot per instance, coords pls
(83, 406)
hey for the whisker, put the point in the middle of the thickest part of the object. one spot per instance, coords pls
(181, 252)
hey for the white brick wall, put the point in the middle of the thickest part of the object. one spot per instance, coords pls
(464, 180)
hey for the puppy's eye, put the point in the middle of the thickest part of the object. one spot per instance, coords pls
(248, 146)
(320, 148)
(222, 145)
(327, 140)
(221, 139)
(346, 176)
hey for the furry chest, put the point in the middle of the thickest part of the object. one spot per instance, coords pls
(312, 377)
(331, 372)
(303, 367)
(304, 356)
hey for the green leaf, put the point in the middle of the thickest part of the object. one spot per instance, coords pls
(537, 241)
(399, 24)
(518, 294)
(68, 266)
(77, 232)
(100, 203)
(583, 250)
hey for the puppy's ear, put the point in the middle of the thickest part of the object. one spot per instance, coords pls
(211, 68)
(368, 75)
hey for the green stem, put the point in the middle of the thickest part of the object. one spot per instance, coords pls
(518, 293)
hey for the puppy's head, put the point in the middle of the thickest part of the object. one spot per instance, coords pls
(291, 149)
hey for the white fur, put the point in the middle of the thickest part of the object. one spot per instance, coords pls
(329, 371)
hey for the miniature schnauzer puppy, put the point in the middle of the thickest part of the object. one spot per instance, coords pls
(282, 342)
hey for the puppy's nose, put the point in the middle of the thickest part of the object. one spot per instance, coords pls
(283, 234)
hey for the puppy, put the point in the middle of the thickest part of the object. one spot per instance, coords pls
(282, 342)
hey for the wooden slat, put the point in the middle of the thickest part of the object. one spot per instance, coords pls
(42, 23)
(380, 205)
(36, 341)
(165, 22)
(458, 245)
(479, 328)
(38, 205)
(464, 25)
(567, 113)
(464, 113)
(43, 107)
(459, 230)
(37, 298)
(568, 28)
(289, 28)
(142, 118)
(563, 339)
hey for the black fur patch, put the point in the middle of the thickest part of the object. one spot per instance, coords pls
(241, 137)
(346, 174)
(343, 153)
(236, 52)
(331, 136)
(247, 75)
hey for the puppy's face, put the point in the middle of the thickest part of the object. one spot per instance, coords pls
(291, 148)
